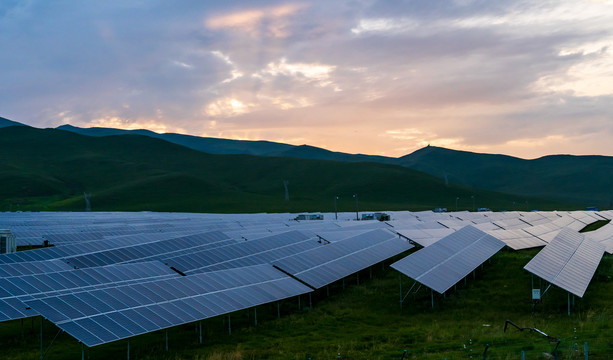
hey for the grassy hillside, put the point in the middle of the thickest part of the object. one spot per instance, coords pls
(51, 169)
(582, 179)
(204, 144)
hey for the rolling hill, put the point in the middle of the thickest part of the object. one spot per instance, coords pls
(6, 123)
(49, 169)
(585, 180)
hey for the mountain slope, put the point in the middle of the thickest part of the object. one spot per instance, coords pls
(6, 122)
(204, 144)
(51, 169)
(582, 179)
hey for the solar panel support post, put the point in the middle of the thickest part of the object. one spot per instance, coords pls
(229, 326)
(278, 310)
(200, 331)
(310, 302)
(357, 275)
(432, 297)
(82, 352)
(128, 349)
(298, 302)
(327, 290)
(400, 282)
(41, 337)
(255, 316)
(370, 270)
(166, 336)
(335, 208)
(568, 303)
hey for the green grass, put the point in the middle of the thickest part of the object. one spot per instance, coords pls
(365, 322)
(595, 225)
(49, 170)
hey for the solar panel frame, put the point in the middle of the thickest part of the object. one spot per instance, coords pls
(569, 261)
(449, 260)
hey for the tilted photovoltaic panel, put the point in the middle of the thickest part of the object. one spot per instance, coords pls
(332, 262)
(152, 250)
(33, 267)
(447, 261)
(517, 239)
(569, 261)
(263, 257)
(201, 259)
(15, 290)
(132, 310)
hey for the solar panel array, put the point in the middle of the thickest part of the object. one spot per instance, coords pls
(101, 316)
(99, 282)
(151, 250)
(14, 290)
(446, 262)
(568, 261)
(324, 265)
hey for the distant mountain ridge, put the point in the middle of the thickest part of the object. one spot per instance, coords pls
(50, 169)
(584, 179)
(6, 123)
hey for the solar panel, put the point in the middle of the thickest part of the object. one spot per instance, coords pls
(32, 267)
(447, 261)
(604, 235)
(424, 237)
(332, 262)
(19, 289)
(568, 261)
(246, 249)
(151, 250)
(136, 309)
(517, 239)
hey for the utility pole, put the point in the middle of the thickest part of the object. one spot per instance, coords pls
(335, 208)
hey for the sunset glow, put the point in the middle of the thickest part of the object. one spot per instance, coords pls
(522, 78)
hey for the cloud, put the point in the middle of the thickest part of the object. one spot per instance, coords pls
(270, 21)
(380, 77)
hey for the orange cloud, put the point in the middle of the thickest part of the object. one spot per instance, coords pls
(270, 21)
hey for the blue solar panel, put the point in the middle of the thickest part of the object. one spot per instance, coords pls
(332, 262)
(181, 300)
(205, 258)
(447, 261)
(18, 289)
(152, 250)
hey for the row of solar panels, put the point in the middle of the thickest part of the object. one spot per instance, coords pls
(56, 228)
(108, 307)
(315, 261)
(568, 261)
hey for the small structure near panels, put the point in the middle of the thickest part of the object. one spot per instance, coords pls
(444, 263)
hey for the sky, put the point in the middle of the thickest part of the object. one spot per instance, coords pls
(523, 78)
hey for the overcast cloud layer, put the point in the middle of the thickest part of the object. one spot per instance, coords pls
(524, 78)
